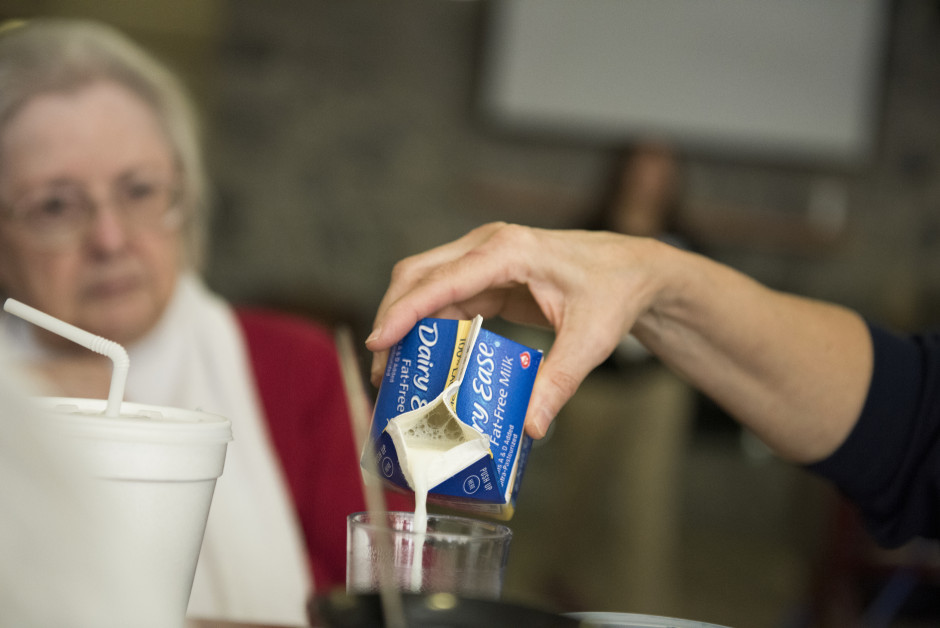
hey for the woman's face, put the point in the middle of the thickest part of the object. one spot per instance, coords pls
(86, 178)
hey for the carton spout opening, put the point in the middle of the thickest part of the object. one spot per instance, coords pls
(433, 441)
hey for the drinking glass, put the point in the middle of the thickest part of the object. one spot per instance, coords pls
(458, 555)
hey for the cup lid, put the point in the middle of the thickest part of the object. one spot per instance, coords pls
(154, 423)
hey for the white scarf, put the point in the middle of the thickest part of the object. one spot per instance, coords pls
(252, 567)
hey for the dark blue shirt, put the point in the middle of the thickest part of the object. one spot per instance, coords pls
(889, 465)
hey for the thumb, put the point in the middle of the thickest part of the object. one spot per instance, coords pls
(561, 372)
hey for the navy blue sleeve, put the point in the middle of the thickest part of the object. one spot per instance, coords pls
(889, 465)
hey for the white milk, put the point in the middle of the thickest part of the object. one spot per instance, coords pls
(432, 445)
(490, 378)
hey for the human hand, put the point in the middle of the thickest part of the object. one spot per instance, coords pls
(588, 286)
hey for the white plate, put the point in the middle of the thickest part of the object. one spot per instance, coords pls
(632, 620)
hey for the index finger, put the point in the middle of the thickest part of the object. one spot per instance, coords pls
(447, 276)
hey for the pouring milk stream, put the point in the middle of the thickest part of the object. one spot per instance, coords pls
(431, 446)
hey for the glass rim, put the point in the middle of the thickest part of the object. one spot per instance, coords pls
(491, 529)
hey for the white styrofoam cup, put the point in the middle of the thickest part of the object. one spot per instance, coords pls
(155, 468)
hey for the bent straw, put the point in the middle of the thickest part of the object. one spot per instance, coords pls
(114, 351)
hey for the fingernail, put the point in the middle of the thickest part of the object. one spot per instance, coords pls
(374, 335)
(538, 425)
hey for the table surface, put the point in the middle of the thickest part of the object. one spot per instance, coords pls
(208, 623)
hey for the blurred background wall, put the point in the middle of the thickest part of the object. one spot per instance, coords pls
(345, 135)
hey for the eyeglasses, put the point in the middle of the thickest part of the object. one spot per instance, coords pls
(59, 215)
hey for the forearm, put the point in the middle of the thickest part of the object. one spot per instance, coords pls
(793, 370)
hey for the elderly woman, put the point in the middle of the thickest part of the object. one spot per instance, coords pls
(102, 212)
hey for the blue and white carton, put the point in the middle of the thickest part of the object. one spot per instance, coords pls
(451, 369)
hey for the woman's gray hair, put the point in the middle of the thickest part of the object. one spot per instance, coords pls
(52, 55)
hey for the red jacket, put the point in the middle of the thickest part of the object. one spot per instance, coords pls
(296, 368)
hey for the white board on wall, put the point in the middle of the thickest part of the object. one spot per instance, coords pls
(778, 78)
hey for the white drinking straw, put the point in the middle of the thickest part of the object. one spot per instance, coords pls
(121, 362)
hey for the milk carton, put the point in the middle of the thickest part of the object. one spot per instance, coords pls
(449, 415)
